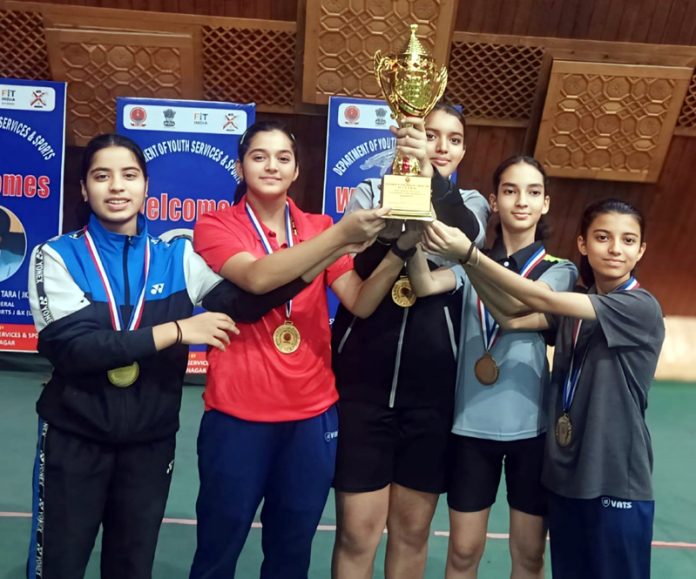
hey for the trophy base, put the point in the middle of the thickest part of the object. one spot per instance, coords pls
(408, 197)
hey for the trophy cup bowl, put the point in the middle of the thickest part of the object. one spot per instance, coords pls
(412, 84)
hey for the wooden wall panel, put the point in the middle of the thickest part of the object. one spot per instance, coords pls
(651, 21)
(342, 37)
(25, 30)
(609, 121)
(249, 65)
(263, 9)
(100, 66)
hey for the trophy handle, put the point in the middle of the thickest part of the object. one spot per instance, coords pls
(383, 63)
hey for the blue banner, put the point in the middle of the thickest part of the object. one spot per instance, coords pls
(32, 136)
(191, 149)
(359, 145)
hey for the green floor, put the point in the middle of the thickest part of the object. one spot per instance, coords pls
(671, 417)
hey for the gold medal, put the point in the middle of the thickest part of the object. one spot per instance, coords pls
(286, 337)
(486, 370)
(402, 293)
(564, 430)
(124, 376)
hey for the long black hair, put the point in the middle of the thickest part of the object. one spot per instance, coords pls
(594, 210)
(245, 143)
(111, 140)
(542, 228)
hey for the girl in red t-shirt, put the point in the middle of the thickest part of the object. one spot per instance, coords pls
(270, 427)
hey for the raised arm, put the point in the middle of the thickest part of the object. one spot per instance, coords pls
(426, 282)
(361, 297)
(453, 244)
(495, 299)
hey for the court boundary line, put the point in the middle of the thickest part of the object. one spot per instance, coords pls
(332, 529)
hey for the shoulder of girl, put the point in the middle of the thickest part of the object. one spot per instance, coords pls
(554, 259)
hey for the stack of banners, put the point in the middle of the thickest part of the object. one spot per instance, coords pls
(191, 150)
(32, 134)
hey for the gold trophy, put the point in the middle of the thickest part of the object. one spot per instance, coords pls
(411, 84)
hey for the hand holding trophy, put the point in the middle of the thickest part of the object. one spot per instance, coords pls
(411, 84)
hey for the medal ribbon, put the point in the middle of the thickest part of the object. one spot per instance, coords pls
(490, 329)
(114, 311)
(571, 383)
(266, 244)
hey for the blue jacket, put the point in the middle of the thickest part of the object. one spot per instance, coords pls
(71, 313)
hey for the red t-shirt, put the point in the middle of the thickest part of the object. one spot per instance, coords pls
(251, 379)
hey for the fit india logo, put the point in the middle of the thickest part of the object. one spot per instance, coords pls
(200, 118)
(381, 119)
(8, 96)
(230, 124)
(138, 116)
(351, 114)
(38, 99)
(169, 115)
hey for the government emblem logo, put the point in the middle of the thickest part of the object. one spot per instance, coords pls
(138, 116)
(169, 117)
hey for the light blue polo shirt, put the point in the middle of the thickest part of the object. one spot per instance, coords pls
(514, 407)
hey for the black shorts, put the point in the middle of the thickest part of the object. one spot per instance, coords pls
(476, 468)
(378, 445)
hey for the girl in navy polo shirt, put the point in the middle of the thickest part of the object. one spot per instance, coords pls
(598, 460)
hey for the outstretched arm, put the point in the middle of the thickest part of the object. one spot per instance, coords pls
(453, 244)
(426, 282)
(261, 275)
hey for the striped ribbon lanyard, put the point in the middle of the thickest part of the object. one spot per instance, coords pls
(114, 310)
(490, 328)
(570, 384)
(266, 244)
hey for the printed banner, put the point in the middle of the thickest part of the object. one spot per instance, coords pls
(191, 149)
(359, 145)
(32, 137)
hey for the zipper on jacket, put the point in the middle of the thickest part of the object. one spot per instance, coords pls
(123, 399)
(126, 282)
(344, 339)
(397, 363)
(450, 331)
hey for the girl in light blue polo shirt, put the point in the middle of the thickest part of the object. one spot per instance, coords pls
(502, 381)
